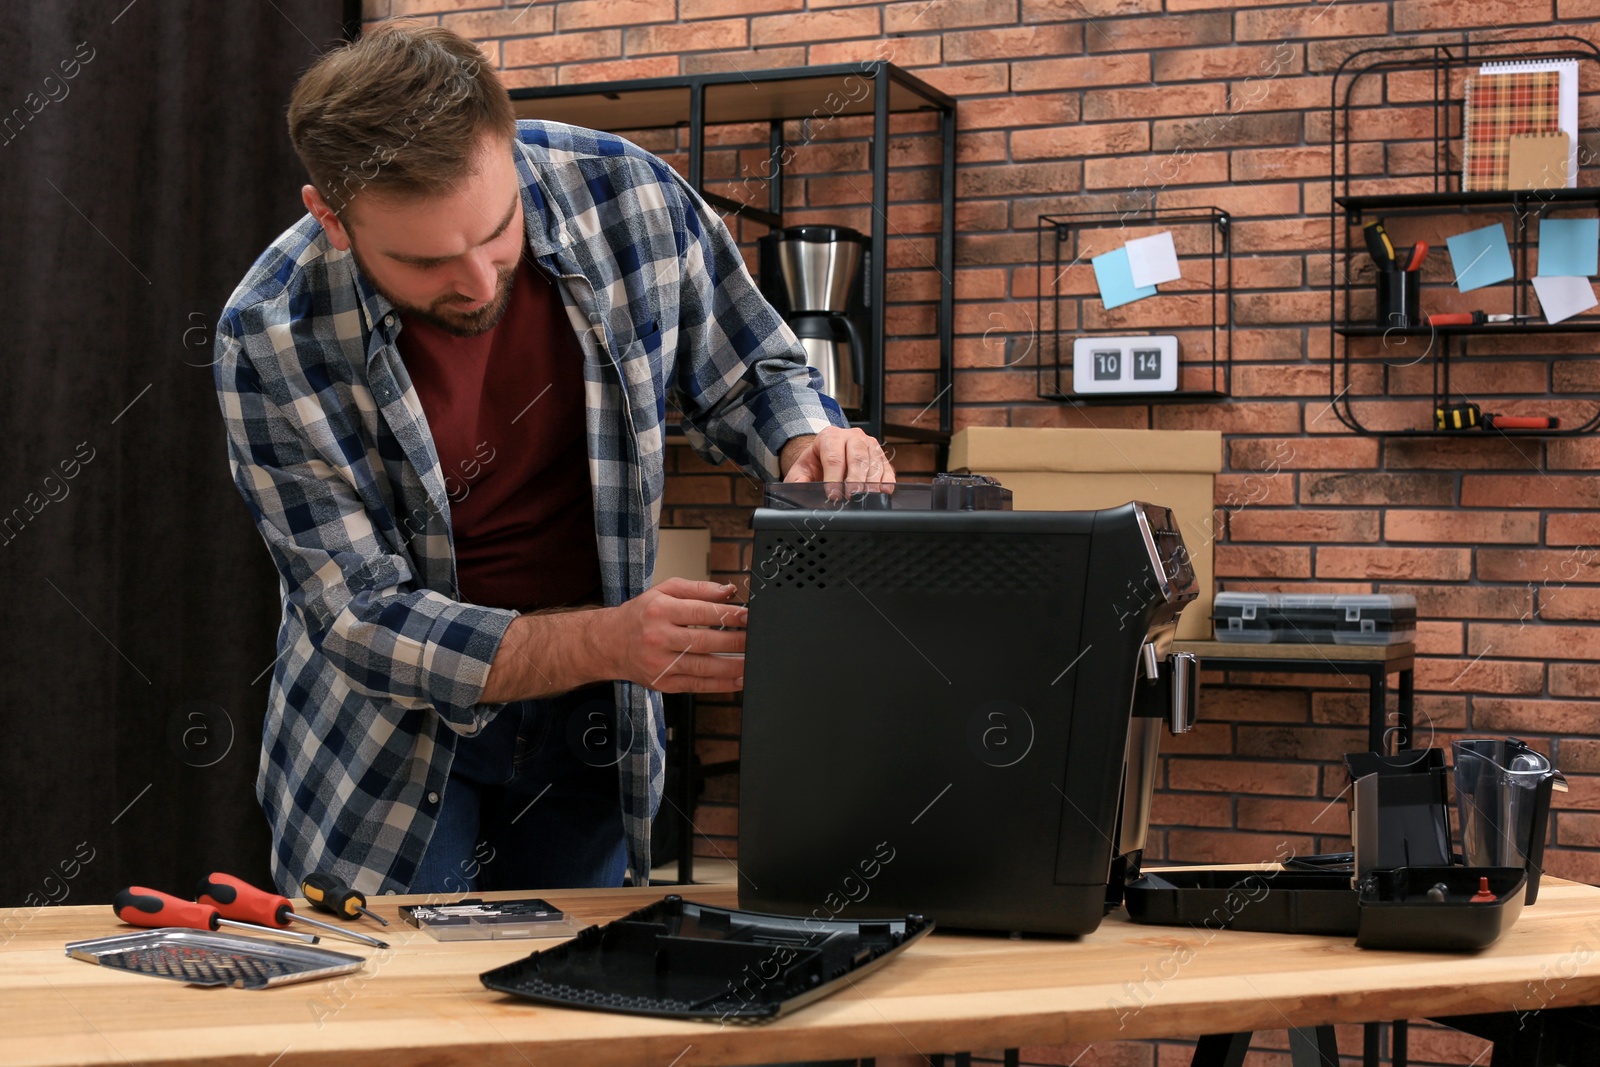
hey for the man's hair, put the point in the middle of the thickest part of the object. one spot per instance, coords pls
(399, 112)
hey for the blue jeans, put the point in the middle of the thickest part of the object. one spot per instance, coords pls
(532, 802)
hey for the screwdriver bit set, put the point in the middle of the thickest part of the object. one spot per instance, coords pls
(200, 957)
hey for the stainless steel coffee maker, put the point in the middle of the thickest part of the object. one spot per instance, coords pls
(816, 277)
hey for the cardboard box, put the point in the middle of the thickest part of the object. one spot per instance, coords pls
(1081, 470)
(683, 552)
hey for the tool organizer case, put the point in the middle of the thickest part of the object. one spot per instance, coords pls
(1315, 618)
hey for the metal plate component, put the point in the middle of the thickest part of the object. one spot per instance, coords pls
(211, 959)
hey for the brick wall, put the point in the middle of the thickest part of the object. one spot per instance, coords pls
(1076, 104)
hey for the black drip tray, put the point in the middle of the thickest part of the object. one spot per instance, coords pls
(684, 960)
(1396, 912)
(1278, 902)
(1392, 910)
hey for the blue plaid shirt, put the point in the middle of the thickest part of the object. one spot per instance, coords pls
(380, 665)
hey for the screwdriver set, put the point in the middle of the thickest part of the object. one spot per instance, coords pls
(1384, 254)
(186, 946)
(139, 906)
(223, 900)
(237, 899)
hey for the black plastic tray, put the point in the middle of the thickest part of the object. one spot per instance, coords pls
(1397, 914)
(1391, 910)
(684, 960)
(1280, 902)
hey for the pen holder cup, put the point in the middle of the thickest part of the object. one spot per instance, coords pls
(1398, 293)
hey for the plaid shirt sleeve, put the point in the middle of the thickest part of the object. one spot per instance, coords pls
(743, 383)
(361, 604)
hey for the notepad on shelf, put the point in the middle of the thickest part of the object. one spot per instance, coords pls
(1538, 161)
(1499, 106)
(1567, 104)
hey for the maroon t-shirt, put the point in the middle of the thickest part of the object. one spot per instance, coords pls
(506, 409)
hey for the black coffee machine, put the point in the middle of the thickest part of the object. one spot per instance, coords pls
(952, 708)
(816, 276)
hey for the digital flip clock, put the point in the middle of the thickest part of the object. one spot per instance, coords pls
(1125, 364)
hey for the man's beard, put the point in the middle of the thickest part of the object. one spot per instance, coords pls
(440, 313)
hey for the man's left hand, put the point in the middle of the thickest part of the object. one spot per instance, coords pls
(835, 455)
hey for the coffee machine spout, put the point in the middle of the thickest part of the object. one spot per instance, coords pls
(1185, 691)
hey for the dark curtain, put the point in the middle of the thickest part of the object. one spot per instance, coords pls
(144, 164)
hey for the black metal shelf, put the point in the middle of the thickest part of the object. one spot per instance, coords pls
(895, 431)
(1507, 198)
(1125, 399)
(875, 89)
(1505, 329)
(1469, 434)
(1441, 60)
(892, 431)
(1053, 371)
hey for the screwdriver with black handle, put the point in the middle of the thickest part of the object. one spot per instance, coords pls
(139, 906)
(327, 893)
(235, 898)
(1379, 246)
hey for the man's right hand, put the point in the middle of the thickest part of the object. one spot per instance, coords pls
(665, 637)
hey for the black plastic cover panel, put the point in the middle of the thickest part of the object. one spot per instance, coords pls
(684, 960)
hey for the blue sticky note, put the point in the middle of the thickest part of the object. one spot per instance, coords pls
(1115, 277)
(1480, 257)
(1569, 248)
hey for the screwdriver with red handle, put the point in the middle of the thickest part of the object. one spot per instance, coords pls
(234, 898)
(1471, 318)
(147, 907)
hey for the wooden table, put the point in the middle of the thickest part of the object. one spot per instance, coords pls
(421, 1002)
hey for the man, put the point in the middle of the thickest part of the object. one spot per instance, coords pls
(444, 391)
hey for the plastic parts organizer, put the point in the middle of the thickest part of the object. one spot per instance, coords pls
(1315, 618)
